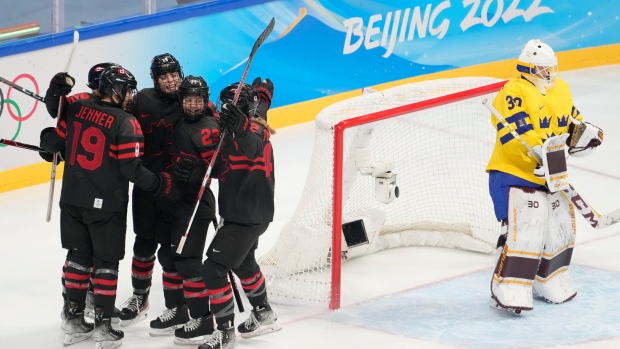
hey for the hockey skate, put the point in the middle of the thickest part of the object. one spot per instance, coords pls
(105, 336)
(169, 321)
(262, 321)
(195, 332)
(497, 306)
(89, 311)
(222, 338)
(75, 327)
(134, 309)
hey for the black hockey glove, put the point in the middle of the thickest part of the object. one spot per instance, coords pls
(61, 84)
(168, 187)
(189, 170)
(49, 157)
(264, 89)
(233, 119)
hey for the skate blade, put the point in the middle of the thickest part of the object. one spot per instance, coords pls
(125, 323)
(108, 344)
(73, 338)
(192, 341)
(161, 332)
(263, 330)
(506, 310)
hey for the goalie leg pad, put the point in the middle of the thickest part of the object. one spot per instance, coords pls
(516, 268)
(553, 281)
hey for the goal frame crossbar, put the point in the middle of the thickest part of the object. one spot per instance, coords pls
(338, 165)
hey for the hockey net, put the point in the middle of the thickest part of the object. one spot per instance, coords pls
(438, 135)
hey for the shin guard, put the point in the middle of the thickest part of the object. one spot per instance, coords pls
(517, 264)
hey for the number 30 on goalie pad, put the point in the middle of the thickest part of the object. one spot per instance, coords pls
(554, 161)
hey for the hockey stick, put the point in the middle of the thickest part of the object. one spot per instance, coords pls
(595, 219)
(22, 90)
(22, 145)
(76, 38)
(257, 44)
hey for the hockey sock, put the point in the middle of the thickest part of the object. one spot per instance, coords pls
(196, 297)
(142, 273)
(105, 281)
(254, 288)
(76, 282)
(220, 292)
(173, 289)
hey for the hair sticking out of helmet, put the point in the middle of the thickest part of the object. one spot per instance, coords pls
(248, 98)
(194, 97)
(538, 64)
(95, 72)
(119, 85)
(167, 74)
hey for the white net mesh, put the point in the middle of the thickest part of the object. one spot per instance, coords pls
(440, 155)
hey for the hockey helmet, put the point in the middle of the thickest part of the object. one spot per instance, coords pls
(248, 98)
(164, 64)
(95, 72)
(194, 86)
(538, 63)
(118, 82)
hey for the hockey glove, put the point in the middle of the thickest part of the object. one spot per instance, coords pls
(49, 157)
(264, 89)
(168, 187)
(233, 119)
(189, 170)
(61, 84)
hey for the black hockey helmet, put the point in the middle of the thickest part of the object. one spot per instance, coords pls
(248, 98)
(95, 72)
(194, 86)
(118, 81)
(163, 64)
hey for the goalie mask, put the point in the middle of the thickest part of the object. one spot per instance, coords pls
(248, 98)
(95, 73)
(167, 74)
(194, 97)
(120, 85)
(538, 64)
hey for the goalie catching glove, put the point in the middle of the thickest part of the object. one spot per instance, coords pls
(584, 138)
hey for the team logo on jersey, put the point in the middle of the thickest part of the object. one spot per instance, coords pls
(137, 152)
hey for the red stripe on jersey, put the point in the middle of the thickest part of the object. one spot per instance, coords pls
(129, 145)
(245, 158)
(62, 134)
(207, 154)
(112, 155)
(129, 155)
(249, 167)
(189, 155)
(105, 282)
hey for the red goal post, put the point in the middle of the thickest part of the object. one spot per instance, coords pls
(299, 269)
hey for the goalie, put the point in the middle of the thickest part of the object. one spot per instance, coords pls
(537, 227)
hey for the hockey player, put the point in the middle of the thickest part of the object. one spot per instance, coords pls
(246, 204)
(158, 112)
(537, 228)
(103, 148)
(194, 140)
(60, 86)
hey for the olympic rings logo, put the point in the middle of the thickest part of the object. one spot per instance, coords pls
(11, 104)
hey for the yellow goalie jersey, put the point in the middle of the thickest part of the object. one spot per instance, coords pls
(535, 117)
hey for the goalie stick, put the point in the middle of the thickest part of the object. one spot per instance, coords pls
(76, 38)
(205, 179)
(595, 219)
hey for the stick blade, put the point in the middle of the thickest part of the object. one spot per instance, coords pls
(263, 36)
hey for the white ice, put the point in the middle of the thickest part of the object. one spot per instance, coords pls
(416, 297)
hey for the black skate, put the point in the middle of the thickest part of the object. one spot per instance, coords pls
(105, 336)
(195, 332)
(262, 321)
(134, 309)
(169, 321)
(222, 338)
(89, 311)
(75, 327)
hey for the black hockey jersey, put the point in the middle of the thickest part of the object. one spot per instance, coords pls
(103, 149)
(246, 177)
(157, 119)
(194, 139)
